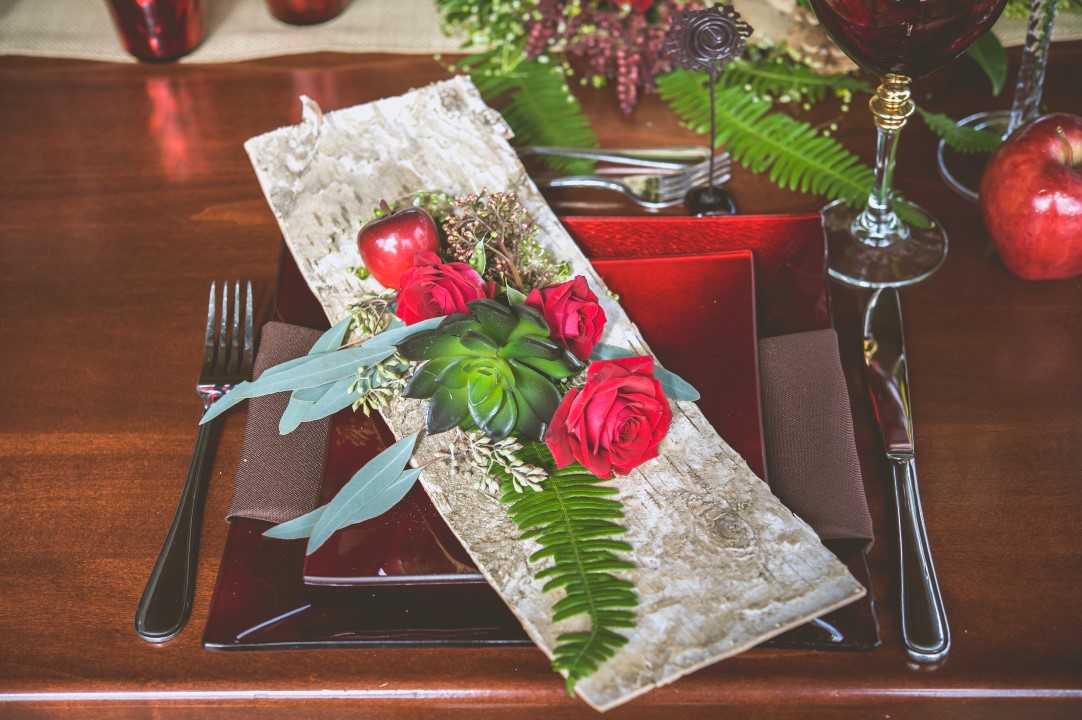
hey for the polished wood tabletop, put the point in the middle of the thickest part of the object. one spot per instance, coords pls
(125, 190)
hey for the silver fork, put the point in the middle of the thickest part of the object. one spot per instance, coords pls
(227, 359)
(652, 191)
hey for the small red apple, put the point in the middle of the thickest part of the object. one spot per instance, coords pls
(388, 244)
(1031, 199)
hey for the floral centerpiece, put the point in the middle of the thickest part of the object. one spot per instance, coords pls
(506, 350)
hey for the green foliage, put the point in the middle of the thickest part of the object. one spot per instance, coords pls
(575, 519)
(795, 155)
(537, 103)
(372, 491)
(494, 369)
(962, 139)
(781, 77)
(989, 53)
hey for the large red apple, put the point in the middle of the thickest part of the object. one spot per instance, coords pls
(1031, 199)
(388, 244)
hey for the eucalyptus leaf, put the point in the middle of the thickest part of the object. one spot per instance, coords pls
(366, 493)
(394, 494)
(989, 53)
(674, 386)
(313, 394)
(294, 414)
(332, 339)
(316, 370)
(339, 396)
(394, 335)
(300, 527)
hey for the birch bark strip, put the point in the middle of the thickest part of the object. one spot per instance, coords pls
(721, 564)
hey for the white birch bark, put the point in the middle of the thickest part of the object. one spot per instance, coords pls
(721, 564)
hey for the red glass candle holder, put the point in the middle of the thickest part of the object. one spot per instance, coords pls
(159, 30)
(305, 12)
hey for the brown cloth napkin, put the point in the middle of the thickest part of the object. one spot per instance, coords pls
(278, 476)
(809, 437)
(810, 449)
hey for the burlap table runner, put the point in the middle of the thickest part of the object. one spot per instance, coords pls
(245, 30)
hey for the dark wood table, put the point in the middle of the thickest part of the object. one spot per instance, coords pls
(125, 190)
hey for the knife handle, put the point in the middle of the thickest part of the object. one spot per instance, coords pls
(924, 620)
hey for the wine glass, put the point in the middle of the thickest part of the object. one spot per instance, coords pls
(896, 40)
(963, 173)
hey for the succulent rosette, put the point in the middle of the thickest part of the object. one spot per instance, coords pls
(575, 318)
(614, 422)
(493, 368)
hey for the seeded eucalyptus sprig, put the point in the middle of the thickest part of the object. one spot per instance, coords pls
(371, 314)
(490, 462)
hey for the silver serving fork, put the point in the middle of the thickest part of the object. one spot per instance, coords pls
(227, 359)
(652, 191)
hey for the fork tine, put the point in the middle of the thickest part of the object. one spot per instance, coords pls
(234, 345)
(208, 347)
(249, 345)
(220, 363)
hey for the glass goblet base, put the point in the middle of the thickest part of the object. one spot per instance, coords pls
(962, 171)
(904, 257)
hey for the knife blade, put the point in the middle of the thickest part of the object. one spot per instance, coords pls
(925, 631)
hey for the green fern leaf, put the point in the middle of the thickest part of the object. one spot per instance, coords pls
(782, 78)
(795, 155)
(962, 139)
(574, 517)
(537, 103)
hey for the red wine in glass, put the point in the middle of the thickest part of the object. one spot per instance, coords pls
(896, 40)
(906, 37)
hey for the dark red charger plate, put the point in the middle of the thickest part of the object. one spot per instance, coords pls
(261, 601)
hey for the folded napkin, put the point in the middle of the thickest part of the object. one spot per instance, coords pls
(808, 428)
(279, 476)
(809, 438)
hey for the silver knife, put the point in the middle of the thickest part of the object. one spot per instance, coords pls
(924, 620)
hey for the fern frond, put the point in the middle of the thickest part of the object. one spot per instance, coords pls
(537, 103)
(575, 520)
(795, 154)
(962, 139)
(782, 78)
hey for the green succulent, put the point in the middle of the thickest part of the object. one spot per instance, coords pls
(492, 368)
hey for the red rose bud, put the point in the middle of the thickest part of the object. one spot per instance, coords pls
(432, 288)
(575, 318)
(615, 422)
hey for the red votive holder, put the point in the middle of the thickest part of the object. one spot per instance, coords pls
(305, 12)
(159, 30)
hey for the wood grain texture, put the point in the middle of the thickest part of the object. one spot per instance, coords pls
(124, 191)
(721, 564)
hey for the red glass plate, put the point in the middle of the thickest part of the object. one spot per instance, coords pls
(261, 600)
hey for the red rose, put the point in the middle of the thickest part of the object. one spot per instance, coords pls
(574, 317)
(432, 288)
(614, 422)
(641, 6)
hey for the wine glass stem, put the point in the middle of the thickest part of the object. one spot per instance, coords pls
(878, 225)
(1027, 92)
